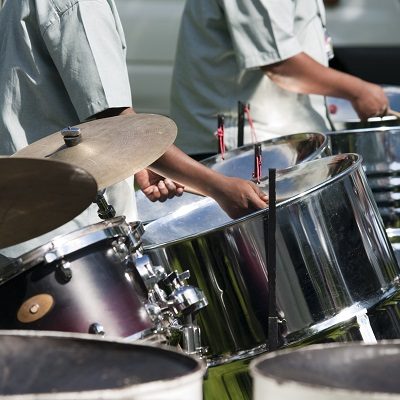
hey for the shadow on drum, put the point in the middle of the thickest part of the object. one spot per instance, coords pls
(279, 153)
(333, 258)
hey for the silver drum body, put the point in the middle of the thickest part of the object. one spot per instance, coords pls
(380, 149)
(279, 153)
(334, 259)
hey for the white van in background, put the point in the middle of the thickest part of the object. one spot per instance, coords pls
(151, 30)
(366, 38)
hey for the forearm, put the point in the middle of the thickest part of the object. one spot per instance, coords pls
(181, 168)
(302, 74)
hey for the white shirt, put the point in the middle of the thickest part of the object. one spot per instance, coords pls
(62, 61)
(222, 45)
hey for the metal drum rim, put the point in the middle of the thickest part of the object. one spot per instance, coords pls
(357, 162)
(105, 229)
(278, 140)
(256, 373)
(380, 129)
(197, 373)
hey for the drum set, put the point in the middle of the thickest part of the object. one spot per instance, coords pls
(177, 304)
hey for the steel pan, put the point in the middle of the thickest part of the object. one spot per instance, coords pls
(44, 366)
(380, 149)
(333, 257)
(343, 115)
(352, 371)
(278, 153)
(84, 281)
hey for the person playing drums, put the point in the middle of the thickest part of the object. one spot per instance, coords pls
(63, 63)
(272, 55)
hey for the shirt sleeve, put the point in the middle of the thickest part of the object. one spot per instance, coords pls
(88, 51)
(262, 31)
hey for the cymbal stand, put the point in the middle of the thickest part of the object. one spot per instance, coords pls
(105, 210)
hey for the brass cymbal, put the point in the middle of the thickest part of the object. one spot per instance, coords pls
(111, 149)
(38, 196)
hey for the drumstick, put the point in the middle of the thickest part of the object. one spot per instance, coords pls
(190, 190)
(393, 112)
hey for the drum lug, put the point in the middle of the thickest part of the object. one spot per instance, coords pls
(120, 249)
(96, 329)
(63, 271)
(149, 273)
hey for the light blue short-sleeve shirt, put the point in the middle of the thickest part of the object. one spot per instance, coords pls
(222, 45)
(62, 61)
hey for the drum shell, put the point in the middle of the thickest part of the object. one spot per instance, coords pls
(352, 371)
(103, 289)
(333, 260)
(380, 149)
(48, 366)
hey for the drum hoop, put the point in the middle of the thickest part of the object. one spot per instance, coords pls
(63, 245)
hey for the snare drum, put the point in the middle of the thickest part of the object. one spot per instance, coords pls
(85, 281)
(38, 366)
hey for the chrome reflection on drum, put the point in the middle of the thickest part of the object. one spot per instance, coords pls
(279, 153)
(60, 366)
(333, 258)
(351, 371)
(380, 150)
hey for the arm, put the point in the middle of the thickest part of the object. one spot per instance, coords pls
(302, 74)
(237, 197)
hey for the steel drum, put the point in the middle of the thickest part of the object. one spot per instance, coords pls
(334, 259)
(84, 281)
(278, 153)
(44, 366)
(352, 371)
(380, 149)
(343, 115)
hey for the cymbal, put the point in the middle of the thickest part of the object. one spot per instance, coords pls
(38, 196)
(111, 149)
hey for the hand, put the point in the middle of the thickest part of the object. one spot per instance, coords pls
(238, 197)
(370, 101)
(156, 187)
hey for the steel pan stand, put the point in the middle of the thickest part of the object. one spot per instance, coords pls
(270, 246)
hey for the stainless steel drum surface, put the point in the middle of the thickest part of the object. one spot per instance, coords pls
(380, 149)
(278, 153)
(351, 371)
(333, 257)
(343, 115)
(45, 366)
